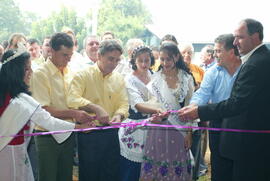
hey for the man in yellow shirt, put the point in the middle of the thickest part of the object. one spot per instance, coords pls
(99, 90)
(49, 87)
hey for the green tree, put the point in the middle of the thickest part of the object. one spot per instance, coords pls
(125, 18)
(11, 19)
(66, 17)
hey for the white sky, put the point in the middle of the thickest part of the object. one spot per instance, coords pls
(188, 20)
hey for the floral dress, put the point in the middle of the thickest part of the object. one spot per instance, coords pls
(165, 158)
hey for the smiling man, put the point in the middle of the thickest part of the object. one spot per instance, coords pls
(216, 86)
(99, 90)
(247, 108)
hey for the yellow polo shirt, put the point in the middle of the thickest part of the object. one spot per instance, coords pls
(49, 86)
(109, 92)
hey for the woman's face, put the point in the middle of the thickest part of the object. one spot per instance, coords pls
(167, 62)
(27, 72)
(143, 62)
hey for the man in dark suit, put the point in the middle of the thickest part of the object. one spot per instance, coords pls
(246, 109)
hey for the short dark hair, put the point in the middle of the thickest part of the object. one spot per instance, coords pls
(227, 41)
(12, 75)
(138, 51)
(172, 49)
(31, 41)
(254, 26)
(109, 46)
(59, 39)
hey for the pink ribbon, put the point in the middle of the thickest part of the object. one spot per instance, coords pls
(142, 123)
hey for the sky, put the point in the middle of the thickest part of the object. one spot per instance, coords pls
(188, 20)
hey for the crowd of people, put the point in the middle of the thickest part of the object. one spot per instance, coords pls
(52, 87)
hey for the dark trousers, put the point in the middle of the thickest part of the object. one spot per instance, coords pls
(197, 153)
(99, 155)
(55, 161)
(129, 170)
(255, 168)
(220, 166)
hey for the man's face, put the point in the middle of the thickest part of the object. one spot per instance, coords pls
(46, 48)
(107, 37)
(61, 57)
(243, 41)
(187, 54)
(34, 50)
(222, 55)
(108, 61)
(205, 57)
(92, 45)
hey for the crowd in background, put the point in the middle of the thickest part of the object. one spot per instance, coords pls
(99, 86)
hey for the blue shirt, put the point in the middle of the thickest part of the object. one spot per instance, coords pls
(207, 67)
(216, 86)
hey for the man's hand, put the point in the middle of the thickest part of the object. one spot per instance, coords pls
(82, 116)
(188, 113)
(102, 116)
(116, 119)
(85, 125)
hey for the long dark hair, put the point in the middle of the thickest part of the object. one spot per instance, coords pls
(172, 50)
(12, 75)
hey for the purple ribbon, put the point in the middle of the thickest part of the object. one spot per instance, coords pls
(142, 123)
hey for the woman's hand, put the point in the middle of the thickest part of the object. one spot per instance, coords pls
(188, 140)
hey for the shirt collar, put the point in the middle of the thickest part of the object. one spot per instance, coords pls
(53, 69)
(244, 58)
(99, 71)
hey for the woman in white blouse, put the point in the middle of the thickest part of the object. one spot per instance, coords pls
(132, 139)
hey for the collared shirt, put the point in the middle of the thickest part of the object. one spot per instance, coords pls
(36, 63)
(77, 62)
(197, 73)
(124, 67)
(244, 58)
(206, 67)
(49, 86)
(90, 86)
(215, 87)
(87, 59)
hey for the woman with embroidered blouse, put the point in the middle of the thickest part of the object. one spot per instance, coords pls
(132, 139)
(166, 152)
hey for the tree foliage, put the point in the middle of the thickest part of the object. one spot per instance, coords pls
(125, 18)
(66, 17)
(11, 19)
